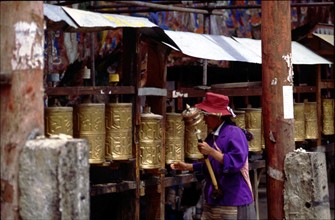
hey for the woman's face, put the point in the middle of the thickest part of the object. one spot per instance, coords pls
(212, 121)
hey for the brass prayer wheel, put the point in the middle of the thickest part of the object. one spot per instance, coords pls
(118, 131)
(253, 118)
(255, 145)
(89, 124)
(253, 123)
(58, 120)
(299, 122)
(239, 119)
(150, 138)
(311, 124)
(194, 120)
(175, 132)
(328, 116)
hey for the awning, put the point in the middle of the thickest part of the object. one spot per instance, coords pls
(58, 19)
(212, 47)
(303, 55)
(94, 20)
(326, 37)
(75, 20)
(204, 46)
(218, 47)
(300, 54)
(81, 20)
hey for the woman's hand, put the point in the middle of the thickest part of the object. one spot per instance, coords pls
(205, 149)
(181, 166)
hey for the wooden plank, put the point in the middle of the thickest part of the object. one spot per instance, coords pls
(304, 89)
(327, 84)
(90, 90)
(100, 189)
(246, 91)
(151, 91)
(180, 180)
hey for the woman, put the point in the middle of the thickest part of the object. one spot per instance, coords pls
(227, 149)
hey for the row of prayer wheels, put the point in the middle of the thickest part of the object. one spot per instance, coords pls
(251, 120)
(306, 124)
(108, 130)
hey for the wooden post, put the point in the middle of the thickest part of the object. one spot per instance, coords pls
(131, 76)
(318, 104)
(207, 30)
(277, 98)
(21, 97)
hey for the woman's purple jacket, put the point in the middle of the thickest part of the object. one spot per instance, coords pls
(234, 146)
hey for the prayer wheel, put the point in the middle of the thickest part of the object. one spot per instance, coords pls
(118, 131)
(311, 124)
(253, 123)
(150, 137)
(239, 119)
(89, 124)
(299, 122)
(175, 131)
(58, 120)
(328, 116)
(194, 120)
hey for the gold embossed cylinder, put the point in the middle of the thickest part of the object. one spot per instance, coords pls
(89, 124)
(311, 124)
(299, 122)
(255, 145)
(239, 119)
(253, 118)
(175, 131)
(150, 138)
(191, 141)
(253, 123)
(194, 120)
(58, 120)
(118, 131)
(328, 116)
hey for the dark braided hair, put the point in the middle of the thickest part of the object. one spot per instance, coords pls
(227, 120)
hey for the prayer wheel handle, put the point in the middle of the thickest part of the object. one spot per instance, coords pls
(208, 163)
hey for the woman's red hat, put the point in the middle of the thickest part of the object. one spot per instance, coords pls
(215, 104)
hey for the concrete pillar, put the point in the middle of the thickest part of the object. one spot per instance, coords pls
(54, 179)
(306, 194)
